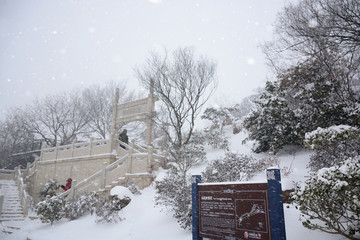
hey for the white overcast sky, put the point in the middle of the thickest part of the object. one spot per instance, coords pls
(50, 46)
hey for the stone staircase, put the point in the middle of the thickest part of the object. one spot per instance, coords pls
(11, 210)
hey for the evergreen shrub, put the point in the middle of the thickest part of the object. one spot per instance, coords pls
(332, 145)
(174, 193)
(49, 189)
(51, 209)
(330, 200)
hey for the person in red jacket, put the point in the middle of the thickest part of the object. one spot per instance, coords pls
(67, 185)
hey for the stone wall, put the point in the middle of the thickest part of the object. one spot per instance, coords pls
(93, 172)
(59, 170)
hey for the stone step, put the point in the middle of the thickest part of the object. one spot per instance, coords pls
(12, 213)
(11, 219)
(12, 209)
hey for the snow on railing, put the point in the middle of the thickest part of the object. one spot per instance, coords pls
(24, 196)
(76, 150)
(98, 179)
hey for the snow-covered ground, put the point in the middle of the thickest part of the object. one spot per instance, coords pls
(142, 220)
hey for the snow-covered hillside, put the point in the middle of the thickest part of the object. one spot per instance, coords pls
(142, 220)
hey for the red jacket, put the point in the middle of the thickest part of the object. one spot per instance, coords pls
(67, 186)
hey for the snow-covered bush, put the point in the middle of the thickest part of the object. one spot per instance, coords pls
(216, 139)
(233, 167)
(219, 117)
(330, 136)
(272, 123)
(51, 209)
(86, 203)
(191, 154)
(330, 200)
(174, 192)
(332, 145)
(108, 211)
(134, 188)
(49, 189)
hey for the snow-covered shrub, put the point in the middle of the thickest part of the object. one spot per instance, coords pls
(216, 139)
(330, 200)
(272, 123)
(134, 188)
(233, 167)
(330, 136)
(219, 117)
(332, 145)
(51, 209)
(108, 211)
(122, 193)
(191, 154)
(174, 192)
(49, 189)
(86, 203)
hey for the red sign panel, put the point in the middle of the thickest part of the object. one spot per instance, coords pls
(234, 211)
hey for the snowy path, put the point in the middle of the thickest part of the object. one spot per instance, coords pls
(11, 210)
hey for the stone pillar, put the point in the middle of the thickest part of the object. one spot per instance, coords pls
(149, 123)
(57, 150)
(113, 122)
(72, 147)
(150, 158)
(91, 146)
(129, 160)
(41, 153)
(72, 190)
(103, 180)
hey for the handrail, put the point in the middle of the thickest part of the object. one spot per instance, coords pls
(94, 176)
(6, 171)
(135, 159)
(24, 196)
(75, 149)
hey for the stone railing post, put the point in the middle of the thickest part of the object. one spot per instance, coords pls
(72, 190)
(72, 147)
(26, 205)
(133, 145)
(41, 153)
(27, 168)
(91, 145)
(103, 182)
(16, 173)
(150, 158)
(57, 150)
(1, 201)
(129, 160)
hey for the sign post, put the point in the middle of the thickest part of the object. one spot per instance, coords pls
(275, 204)
(195, 210)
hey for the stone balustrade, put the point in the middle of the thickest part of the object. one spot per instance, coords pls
(76, 150)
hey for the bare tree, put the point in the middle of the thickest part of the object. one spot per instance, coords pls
(183, 83)
(315, 28)
(57, 119)
(323, 31)
(14, 138)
